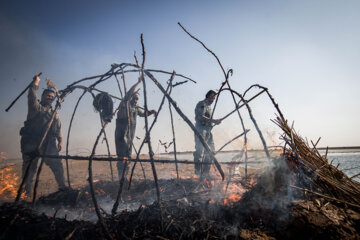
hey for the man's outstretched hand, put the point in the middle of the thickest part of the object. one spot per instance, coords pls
(153, 112)
(216, 121)
(36, 80)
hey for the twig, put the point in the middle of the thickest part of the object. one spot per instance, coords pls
(172, 128)
(240, 106)
(90, 179)
(136, 60)
(122, 65)
(122, 179)
(69, 236)
(328, 197)
(142, 167)
(355, 176)
(118, 83)
(116, 159)
(68, 136)
(38, 176)
(147, 136)
(270, 96)
(314, 149)
(179, 83)
(253, 120)
(151, 127)
(14, 101)
(222, 68)
(108, 149)
(326, 152)
(345, 169)
(317, 142)
(233, 139)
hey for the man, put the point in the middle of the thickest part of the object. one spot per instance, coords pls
(203, 124)
(126, 125)
(38, 116)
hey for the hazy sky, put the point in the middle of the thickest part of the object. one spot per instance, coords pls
(306, 52)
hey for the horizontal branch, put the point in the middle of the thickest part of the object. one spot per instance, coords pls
(117, 159)
(109, 74)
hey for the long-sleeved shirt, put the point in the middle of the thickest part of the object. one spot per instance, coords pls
(203, 113)
(124, 124)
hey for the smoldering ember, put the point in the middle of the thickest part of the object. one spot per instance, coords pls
(298, 195)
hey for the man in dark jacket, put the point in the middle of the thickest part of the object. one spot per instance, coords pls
(38, 116)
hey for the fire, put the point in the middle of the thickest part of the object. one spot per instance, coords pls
(251, 183)
(8, 183)
(100, 192)
(232, 198)
(235, 192)
(235, 188)
(292, 160)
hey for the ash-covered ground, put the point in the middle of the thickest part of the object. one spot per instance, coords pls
(263, 206)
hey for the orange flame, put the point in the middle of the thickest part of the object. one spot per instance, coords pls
(100, 192)
(232, 198)
(252, 182)
(9, 183)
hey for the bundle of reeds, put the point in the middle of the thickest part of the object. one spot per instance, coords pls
(332, 182)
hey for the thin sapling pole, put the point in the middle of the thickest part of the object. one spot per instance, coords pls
(68, 137)
(172, 128)
(151, 127)
(151, 153)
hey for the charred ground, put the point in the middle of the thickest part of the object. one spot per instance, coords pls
(193, 209)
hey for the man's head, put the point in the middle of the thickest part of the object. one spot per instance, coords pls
(47, 97)
(134, 99)
(210, 96)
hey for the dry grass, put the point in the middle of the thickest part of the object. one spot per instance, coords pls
(326, 178)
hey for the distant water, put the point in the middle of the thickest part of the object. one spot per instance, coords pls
(346, 160)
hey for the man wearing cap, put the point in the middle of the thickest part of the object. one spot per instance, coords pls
(38, 116)
(203, 124)
(126, 125)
